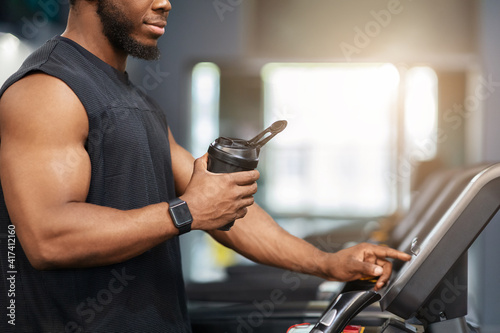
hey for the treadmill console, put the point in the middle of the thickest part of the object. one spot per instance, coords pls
(432, 287)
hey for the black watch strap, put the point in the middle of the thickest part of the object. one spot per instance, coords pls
(180, 214)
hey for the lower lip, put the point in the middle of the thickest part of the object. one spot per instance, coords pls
(156, 30)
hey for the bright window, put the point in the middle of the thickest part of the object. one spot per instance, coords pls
(340, 147)
(421, 113)
(351, 130)
(204, 107)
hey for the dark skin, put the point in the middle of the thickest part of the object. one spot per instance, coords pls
(45, 175)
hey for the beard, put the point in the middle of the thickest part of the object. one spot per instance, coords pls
(118, 29)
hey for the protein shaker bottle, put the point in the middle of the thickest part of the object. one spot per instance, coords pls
(226, 155)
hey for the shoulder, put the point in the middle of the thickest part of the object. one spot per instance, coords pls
(37, 84)
(40, 100)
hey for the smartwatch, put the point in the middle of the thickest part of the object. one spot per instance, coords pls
(181, 216)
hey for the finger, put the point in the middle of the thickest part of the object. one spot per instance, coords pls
(247, 202)
(245, 177)
(204, 158)
(201, 162)
(248, 190)
(244, 192)
(366, 269)
(387, 252)
(385, 276)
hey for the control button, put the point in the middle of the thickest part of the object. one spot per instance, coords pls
(415, 247)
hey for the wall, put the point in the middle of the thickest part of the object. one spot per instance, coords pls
(488, 246)
(399, 29)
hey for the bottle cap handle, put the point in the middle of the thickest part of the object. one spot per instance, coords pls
(258, 141)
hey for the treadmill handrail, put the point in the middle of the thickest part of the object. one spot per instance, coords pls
(444, 224)
(436, 208)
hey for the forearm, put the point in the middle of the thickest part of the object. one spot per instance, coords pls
(259, 238)
(84, 235)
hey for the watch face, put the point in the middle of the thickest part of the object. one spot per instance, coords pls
(181, 215)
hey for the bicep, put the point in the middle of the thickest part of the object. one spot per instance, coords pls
(43, 162)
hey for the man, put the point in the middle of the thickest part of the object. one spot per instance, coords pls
(97, 190)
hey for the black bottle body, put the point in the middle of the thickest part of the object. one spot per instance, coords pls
(227, 155)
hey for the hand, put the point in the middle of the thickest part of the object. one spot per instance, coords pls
(216, 199)
(363, 261)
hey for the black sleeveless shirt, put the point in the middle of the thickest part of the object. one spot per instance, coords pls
(131, 168)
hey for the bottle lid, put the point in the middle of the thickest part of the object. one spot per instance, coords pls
(235, 151)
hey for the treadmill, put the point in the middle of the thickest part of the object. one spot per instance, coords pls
(430, 291)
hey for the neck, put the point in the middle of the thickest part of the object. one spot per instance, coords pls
(85, 28)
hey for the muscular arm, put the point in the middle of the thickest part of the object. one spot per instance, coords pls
(45, 176)
(258, 237)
